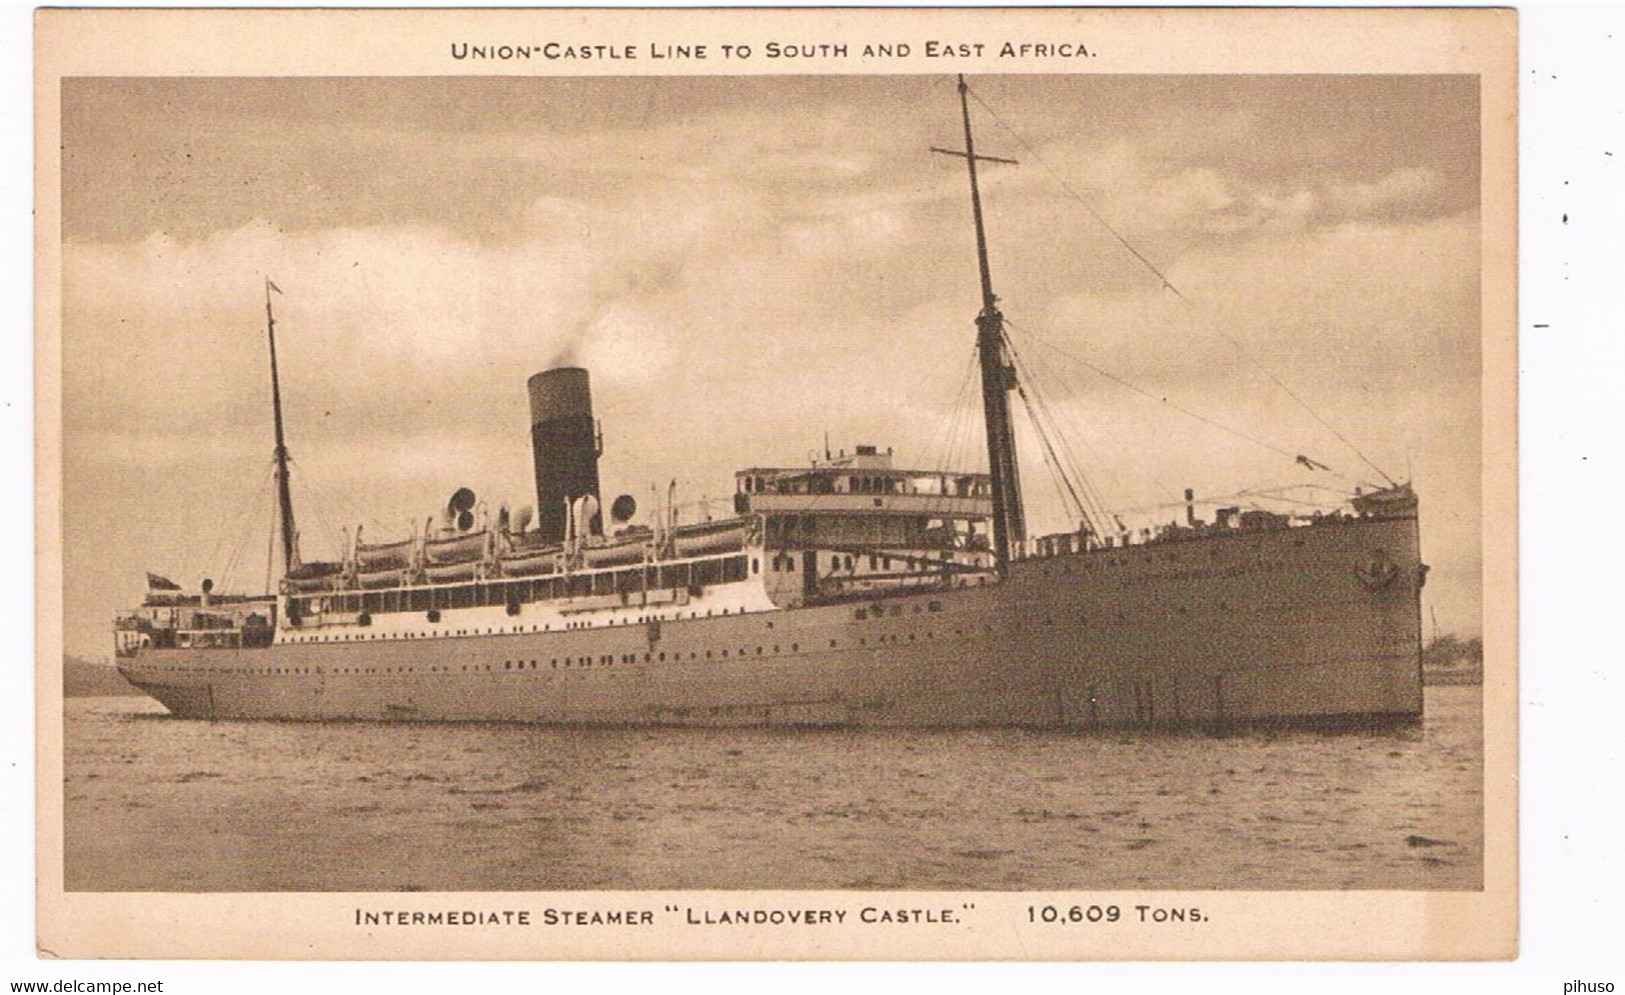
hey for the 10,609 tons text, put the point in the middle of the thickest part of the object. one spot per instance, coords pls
(1086, 914)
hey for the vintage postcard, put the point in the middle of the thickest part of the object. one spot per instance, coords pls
(864, 484)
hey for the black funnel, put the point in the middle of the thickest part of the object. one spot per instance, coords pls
(565, 441)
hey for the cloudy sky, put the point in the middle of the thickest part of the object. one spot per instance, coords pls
(746, 264)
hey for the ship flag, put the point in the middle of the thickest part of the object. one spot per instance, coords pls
(272, 286)
(157, 583)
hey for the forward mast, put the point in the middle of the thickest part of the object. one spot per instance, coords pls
(998, 373)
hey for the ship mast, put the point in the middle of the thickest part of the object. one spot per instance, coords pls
(283, 495)
(998, 373)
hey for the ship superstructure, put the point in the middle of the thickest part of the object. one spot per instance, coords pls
(846, 591)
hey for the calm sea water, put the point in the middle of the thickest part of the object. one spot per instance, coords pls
(154, 803)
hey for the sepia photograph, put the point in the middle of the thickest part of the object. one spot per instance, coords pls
(777, 476)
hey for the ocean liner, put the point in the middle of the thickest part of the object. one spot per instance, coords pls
(850, 591)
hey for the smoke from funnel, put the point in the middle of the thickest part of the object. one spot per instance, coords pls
(569, 353)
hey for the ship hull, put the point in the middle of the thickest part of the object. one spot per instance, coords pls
(1317, 625)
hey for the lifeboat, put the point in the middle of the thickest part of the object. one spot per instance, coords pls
(308, 584)
(383, 556)
(452, 573)
(456, 549)
(536, 563)
(315, 576)
(616, 553)
(382, 578)
(713, 537)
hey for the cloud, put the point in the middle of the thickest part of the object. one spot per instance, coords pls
(1407, 191)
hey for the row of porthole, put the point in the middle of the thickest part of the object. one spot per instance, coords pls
(608, 660)
(642, 619)
(879, 611)
(648, 657)
(744, 652)
(605, 660)
(345, 638)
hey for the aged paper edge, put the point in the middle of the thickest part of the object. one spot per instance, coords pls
(1242, 925)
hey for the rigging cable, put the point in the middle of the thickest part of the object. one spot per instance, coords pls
(1038, 413)
(951, 428)
(963, 428)
(1251, 494)
(1062, 375)
(242, 531)
(344, 504)
(332, 534)
(270, 556)
(1040, 384)
(1238, 433)
(1169, 286)
(246, 532)
(1037, 365)
(227, 527)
